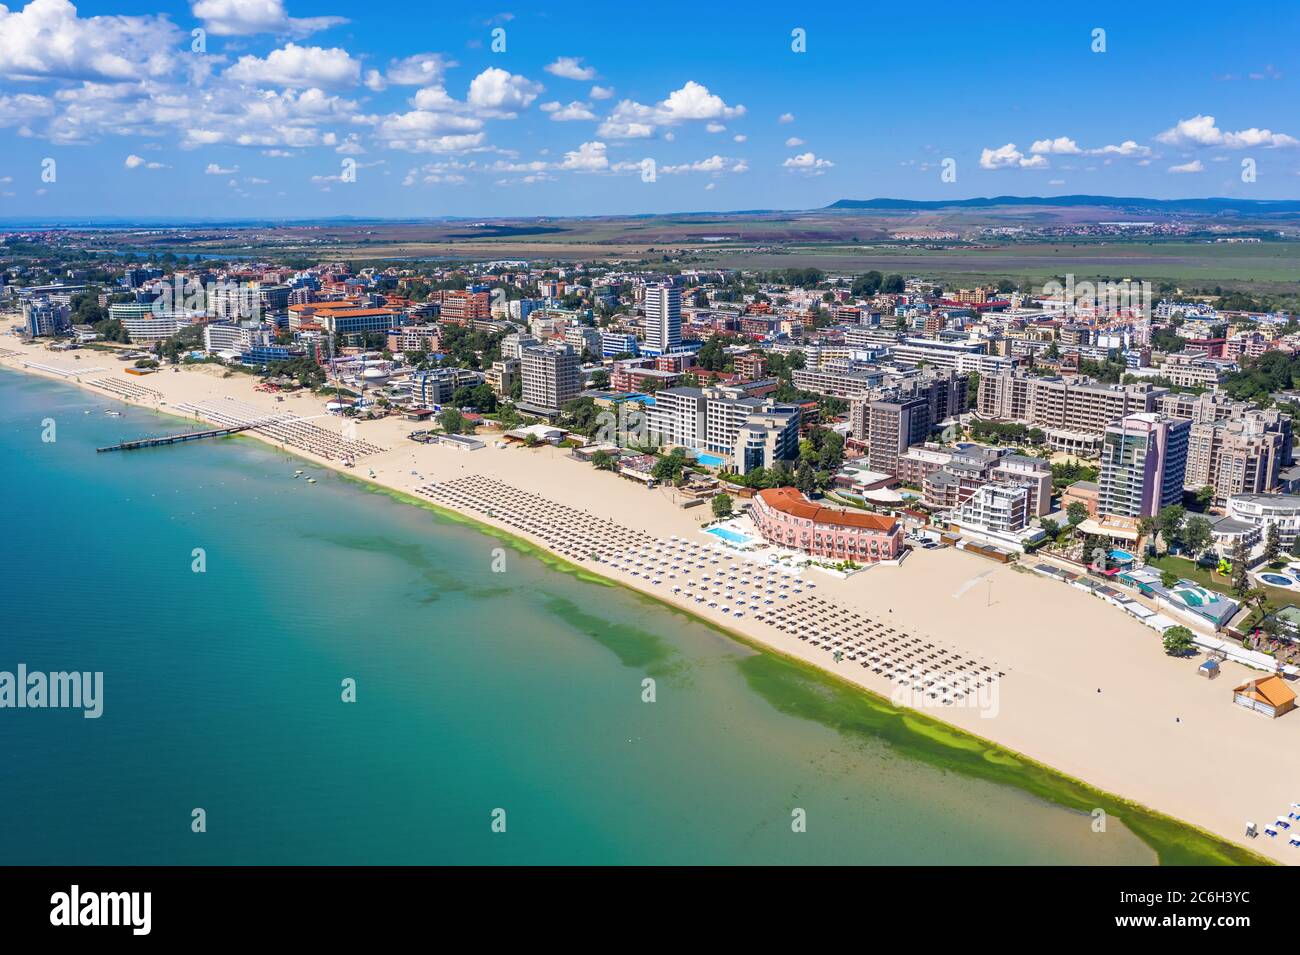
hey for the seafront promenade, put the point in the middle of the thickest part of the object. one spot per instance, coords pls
(1079, 687)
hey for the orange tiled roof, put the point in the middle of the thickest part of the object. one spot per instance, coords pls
(1270, 689)
(788, 500)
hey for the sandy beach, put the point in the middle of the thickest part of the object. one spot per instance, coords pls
(1086, 689)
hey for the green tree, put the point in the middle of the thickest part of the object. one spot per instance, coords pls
(1076, 513)
(1178, 641)
(1272, 543)
(1168, 579)
(1240, 568)
(721, 505)
(1146, 525)
(1197, 535)
(669, 467)
(452, 421)
(805, 480)
(603, 461)
(1170, 523)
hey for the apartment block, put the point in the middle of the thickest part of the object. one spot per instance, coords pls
(838, 383)
(1195, 371)
(1073, 413)
(1143, 463)
(551, 378)
(1240, 456)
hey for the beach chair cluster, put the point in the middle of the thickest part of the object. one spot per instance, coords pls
(916, 663)
(726, 584)
(1284, 824)
(283, 428)
(76, 373)
(127, 389)
(568, 531)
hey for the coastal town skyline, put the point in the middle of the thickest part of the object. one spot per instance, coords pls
(606, 436)
(269, 111)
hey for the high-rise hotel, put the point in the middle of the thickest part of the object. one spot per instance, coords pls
(1143, 461)
(663, 319)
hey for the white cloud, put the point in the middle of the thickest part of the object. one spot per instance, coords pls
(1194, 166)
(1201, 130)
(786, 118)
(422, 69)
(794, 141)
(1127, 148)
(298, 66)
(1008, 156)
(213, 169)
(589, 157)
(630, 120)
(496, 91)
(570, 68)
(694, 101)
(428, 131)
(602, 92)
(808, 164)
(1060, 146)
(135, 162)
(563, 114)
(714, 165)
(633, 120)
(739, 137)
(47, 38)
(248, 17)
(22, 108)
(1065, 146)
(715, 128)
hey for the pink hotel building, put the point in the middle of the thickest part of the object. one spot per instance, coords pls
(788, 519)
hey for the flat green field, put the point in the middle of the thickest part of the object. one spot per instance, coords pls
(1266, 266)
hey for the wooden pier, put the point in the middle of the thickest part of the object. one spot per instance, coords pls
(178, 438)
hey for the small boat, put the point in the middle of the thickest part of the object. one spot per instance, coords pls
(113, 414)
(298, 473)
(311, 480)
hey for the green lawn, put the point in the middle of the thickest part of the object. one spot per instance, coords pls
(1207, 578)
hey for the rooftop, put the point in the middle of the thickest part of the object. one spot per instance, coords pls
(788, 500)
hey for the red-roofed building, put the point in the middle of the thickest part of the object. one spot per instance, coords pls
(786, 518)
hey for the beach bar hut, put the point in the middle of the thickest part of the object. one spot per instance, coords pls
(1209, 669)
(1268, 695)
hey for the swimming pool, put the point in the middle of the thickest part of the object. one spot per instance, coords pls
(729, 535)
(1277, 580)
(1123, 556)
(711, 460)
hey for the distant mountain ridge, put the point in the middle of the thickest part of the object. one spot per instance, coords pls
(1202, 206)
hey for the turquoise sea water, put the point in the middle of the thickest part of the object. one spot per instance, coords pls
(476, 690)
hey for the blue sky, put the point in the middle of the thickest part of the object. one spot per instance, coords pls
(390, 109)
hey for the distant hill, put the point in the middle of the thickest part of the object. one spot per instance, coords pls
(1211, 206)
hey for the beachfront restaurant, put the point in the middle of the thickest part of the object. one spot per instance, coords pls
(1268, 695)
(1186, 597)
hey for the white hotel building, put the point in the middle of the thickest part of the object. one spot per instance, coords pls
(663, 319)
(746, 432)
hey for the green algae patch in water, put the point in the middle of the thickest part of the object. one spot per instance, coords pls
(798, 689)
